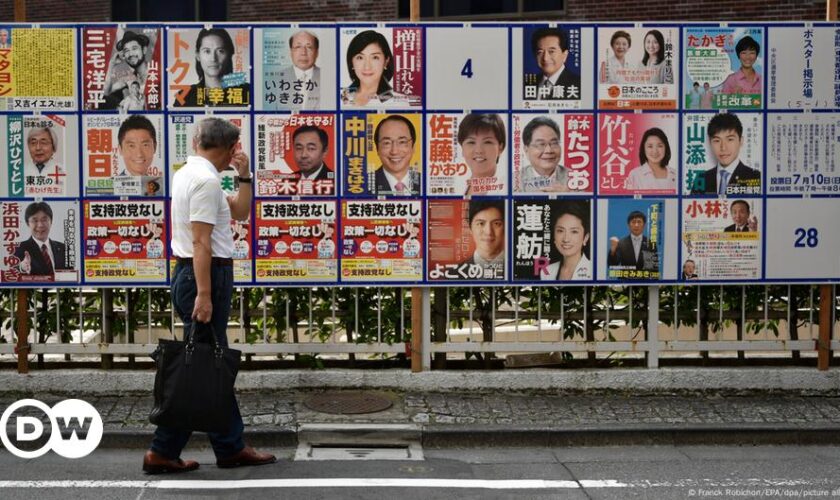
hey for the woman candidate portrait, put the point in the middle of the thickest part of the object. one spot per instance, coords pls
(370, 64)
(615, 69)
(654, 172)
(569, 243)
(653, 62)
(214, 51)
(482, 141)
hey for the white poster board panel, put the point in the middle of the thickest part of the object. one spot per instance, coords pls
(802, 240)
(466, 68)
(803, 68)
(803, 153)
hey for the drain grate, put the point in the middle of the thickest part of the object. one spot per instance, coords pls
(348, 403)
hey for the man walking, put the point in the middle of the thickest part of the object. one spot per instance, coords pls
(202, 285)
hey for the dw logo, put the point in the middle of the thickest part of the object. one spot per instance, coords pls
(75, 428)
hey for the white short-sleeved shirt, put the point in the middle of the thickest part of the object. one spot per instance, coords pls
(197, 196)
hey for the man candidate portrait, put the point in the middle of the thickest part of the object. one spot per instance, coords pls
(395, 138)
(138, 143)
(730, 175)
(42, 145)
(487, 228)
(310, 147)
(634, 250)
(132, 48)
(543, 149)
(39, 255)
(741, 220)
(551, 50)
(303, 75)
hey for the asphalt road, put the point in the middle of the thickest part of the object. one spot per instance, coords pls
(657, 472)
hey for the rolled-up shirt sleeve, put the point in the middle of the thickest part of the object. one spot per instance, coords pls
(204, 201)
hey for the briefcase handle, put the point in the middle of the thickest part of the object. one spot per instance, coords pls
(190, 341)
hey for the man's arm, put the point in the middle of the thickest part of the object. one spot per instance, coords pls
(202, 257)
(240, 203)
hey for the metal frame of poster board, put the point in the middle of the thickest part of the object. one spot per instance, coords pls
(803, 238)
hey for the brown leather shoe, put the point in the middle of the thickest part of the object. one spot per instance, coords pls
(154, 463)
(248, 456)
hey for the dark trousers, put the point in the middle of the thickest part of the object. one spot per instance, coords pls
(169, 442)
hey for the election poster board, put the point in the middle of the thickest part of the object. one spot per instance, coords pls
(295, 68)
(723, 145)
(27, 55)
(804, 67)
(637, 68)
(381, 68)
(726, 64)
(467, 154)
(382, 241)
(209, 67)
(553, 154)
(123, 155)
(40, 242)
(637, 153)
(124, 241)
(296, 241)
(295, 155)
(552, 240)
(382, 154)
(467, 240)
(723, 236)
(42, 154)
(122, 69)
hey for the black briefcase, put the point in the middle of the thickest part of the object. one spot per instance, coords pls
(194, 384)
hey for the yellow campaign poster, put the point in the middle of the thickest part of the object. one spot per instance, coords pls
(37, 69)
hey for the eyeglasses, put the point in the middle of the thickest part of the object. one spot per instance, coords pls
(541, 145)
(401, 144)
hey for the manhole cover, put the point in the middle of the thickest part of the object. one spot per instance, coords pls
(347, 403)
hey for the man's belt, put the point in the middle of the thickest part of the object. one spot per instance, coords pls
(215, 261)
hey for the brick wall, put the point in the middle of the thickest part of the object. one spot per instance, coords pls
(312, 10)
(696, 10)
(57, 11)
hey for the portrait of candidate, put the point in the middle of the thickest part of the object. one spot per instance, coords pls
(745, 80)
(654, 171)
(5, 43)
(730, 174)
(570, 244)
(39, 255)
(137, 141)
(482, 141)
(544, 172)
(131, 50)
(694, 96)
(614, 69)
(42, 145)
(311, 144)
(551, 50)
(487, 228)
(395, 138)
(214, 51)
(634, 250)
(654, 59)
(688, 270)
(303, 72)
(370, 64)
(742, 221)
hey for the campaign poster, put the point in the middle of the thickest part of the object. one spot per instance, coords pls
(40, 242)
(209, 67)
(722, 237)
(382, 241)
(381, 68)
(182, 129)
(637, 153)
(553, 153)
(123, 155)
(26, 56)
(723, 67)
(467, 240)
(295, 155)
(804, 68)
(802, 240)
(552, 240)
(121, 69)
(124, 241)
(552, 72)
(803, 153)
(382, 154)
(296, 241)
(633, 245)
(637, 68)
(41, 154)
(295, 68)
(467, 154)
(725, 146)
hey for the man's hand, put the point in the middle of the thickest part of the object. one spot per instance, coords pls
(240, 162)
(25, 265)
(613, 244)
(203, 309)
